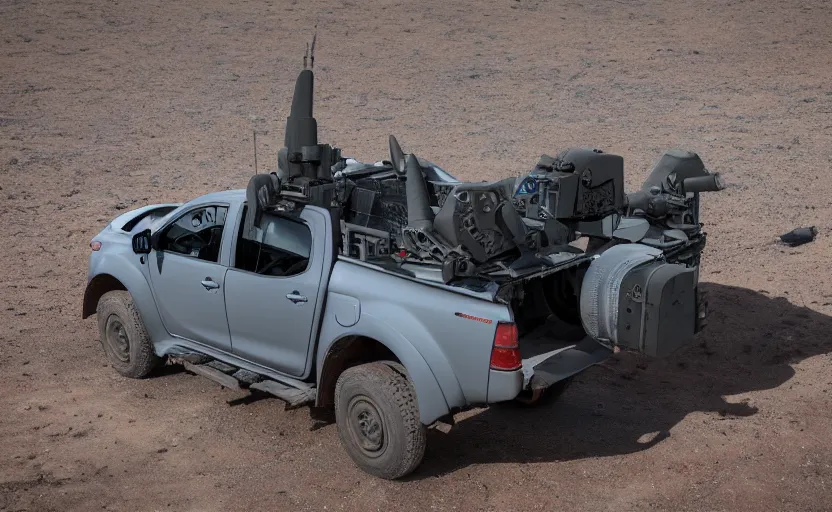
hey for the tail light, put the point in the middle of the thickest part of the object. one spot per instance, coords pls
(95, 245)
(505, 355)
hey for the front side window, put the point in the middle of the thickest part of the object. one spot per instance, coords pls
(279, 247)
(197, 234)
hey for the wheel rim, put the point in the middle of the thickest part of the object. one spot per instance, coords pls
(366, 426)
(117, 339)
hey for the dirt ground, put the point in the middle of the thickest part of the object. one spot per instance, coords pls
(110, 105)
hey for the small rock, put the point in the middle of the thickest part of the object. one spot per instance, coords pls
(162, 450)
(799, 236)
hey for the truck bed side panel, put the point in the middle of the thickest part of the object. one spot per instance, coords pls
(451, 333)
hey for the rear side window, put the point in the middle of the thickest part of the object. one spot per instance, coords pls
(197, 233)
(279, 247)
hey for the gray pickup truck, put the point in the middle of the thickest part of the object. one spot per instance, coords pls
(396, 295)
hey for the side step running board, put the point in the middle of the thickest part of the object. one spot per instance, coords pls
(294, 397)
(234, 378)
(213, 374)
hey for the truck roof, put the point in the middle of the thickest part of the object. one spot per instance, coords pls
(236, 194)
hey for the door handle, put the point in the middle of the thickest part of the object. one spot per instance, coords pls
(210, 284)
(296, 297)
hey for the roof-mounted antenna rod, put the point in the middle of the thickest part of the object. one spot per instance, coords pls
(312, 52)
(255, 152)
(305, 55)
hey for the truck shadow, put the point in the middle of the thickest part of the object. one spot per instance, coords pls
(630, 402)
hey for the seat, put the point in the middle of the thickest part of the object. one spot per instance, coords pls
(481, 218)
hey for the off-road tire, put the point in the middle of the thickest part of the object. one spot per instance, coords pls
(562, 299)
(549, 395)
(380, 390)
(116, 310)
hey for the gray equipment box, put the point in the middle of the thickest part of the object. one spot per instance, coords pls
(657, 308)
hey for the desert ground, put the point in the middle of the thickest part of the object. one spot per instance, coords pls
(110, 105)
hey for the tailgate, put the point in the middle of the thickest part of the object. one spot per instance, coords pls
(557, 351)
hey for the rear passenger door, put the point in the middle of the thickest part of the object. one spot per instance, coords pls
(271, 292)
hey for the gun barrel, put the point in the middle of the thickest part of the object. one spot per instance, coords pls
(709, 183)
(638, 200)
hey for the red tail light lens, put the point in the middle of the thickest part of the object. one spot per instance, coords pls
(505, 355)
(95, 245)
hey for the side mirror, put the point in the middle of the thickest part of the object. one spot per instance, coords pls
(142, 242)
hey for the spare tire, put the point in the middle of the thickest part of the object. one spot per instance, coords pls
(562, 294)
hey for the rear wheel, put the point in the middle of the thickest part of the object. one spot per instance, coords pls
(378, 419)
(123, 336)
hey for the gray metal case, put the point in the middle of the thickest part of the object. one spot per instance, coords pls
(657, 308)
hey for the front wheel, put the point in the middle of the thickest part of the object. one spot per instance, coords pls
(123, 336)
(378, 419)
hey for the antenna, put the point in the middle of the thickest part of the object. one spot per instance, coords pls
(312, 53)
(255, 152)
(306, 55)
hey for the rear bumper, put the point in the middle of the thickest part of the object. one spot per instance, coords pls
(504, 386)
(544, 370)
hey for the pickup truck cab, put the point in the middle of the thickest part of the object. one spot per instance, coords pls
(392, 353)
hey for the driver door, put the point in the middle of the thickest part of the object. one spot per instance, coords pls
(188, 278)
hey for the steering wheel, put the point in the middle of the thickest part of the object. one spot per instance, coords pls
(184, 248)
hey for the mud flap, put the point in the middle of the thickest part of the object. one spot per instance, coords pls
(542, 371)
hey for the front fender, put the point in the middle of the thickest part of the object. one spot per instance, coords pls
(123, 268)
(433, 402)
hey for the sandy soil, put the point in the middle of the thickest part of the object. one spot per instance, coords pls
(108, 105)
